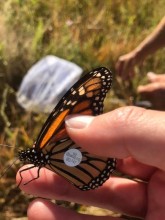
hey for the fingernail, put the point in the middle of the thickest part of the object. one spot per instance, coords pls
(78, 122)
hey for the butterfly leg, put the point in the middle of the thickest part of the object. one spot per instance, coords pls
(38, 175)
(20, 173)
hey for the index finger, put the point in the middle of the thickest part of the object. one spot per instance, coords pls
(115, 194)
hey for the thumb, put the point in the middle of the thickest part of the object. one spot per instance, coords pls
(125, 132)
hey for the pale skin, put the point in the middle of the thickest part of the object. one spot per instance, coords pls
(155, 90)
(134, 136)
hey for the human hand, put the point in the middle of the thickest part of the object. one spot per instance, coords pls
(154, 91)
(126, 63)
(133, 135)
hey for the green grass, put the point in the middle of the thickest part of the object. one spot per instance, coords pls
(90, 33)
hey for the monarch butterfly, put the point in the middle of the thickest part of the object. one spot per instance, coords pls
(54, 149)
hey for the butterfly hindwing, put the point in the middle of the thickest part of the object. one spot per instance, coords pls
(84, 170)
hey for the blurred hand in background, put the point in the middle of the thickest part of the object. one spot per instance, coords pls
(154, 91)
(156, 40)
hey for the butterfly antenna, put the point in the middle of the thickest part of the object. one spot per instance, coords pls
(7, 168)
(6, 145)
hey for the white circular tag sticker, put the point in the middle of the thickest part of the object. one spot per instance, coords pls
(72, 157)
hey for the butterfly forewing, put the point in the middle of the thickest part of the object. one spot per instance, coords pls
(85, 97)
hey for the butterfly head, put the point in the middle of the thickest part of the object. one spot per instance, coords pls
(35, 157)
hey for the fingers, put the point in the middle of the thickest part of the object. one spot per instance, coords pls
(125, 65)
(156, 77)
(155, 93)
(125, 132)
(40, 209)
(151, 87)
(115, 194)
(123, 68)
(131, 167)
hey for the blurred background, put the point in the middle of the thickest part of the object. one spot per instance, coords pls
(89, 33)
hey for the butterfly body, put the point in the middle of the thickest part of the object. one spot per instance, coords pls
(54, 149)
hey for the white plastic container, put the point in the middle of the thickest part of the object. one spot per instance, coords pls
(46, 82)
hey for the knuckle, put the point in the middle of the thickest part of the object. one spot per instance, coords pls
(127, 116)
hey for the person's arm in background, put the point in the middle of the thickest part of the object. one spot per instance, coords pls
(156, 40)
